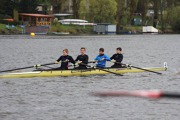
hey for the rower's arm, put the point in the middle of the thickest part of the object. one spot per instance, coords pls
(112, 57)
(77, 58)
(59, 59)
(107, 58)
(97, 58)
(71, 60)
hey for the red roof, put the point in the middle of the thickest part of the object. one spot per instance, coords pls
(35, 15)
(10, 20)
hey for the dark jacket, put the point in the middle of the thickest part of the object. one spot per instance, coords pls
(84, 58)
(65, 60)
(118, 58)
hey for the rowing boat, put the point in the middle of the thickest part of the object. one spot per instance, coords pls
(75, 72)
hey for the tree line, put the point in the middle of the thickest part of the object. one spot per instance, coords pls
(165, 13)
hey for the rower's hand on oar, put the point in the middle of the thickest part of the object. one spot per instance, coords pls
(79, 62)
(66, 60)
(102, 59)
(93, 61)
(76, 64)
(113, 60)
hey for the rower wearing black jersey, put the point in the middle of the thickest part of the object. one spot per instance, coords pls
(65, 59)
(118, 57)
(82, 58)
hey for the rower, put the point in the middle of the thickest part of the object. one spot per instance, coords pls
(101, 59)
(65, 59)
(82, 58)
(118, 57)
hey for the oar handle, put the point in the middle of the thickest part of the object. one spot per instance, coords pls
(93, 61)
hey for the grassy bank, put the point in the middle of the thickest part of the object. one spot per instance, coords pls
(133, 29)
(72, 29)
(10, 30)
(3, 28)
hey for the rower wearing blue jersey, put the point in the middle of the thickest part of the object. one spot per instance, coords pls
(101, 59)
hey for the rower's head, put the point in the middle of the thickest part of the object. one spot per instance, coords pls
(118, 50)
(65, 52)
(83, 50)
(101, 51)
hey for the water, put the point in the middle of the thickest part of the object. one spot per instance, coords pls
(67, 98)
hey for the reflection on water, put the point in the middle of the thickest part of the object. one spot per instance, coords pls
(68, 98)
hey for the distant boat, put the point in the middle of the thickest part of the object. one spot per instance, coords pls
(75, 22)
(149, 29)
(62, 14)
(60, 33)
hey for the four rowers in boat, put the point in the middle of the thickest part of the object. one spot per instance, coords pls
(82, 59)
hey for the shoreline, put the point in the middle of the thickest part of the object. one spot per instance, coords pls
(78, 31)
(94, 34)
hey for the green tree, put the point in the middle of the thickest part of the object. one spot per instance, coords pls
(76, 6)
(142, 8)
(28, 6)
(59, 5)
(156, 8)
(132, 5)
(6, 8)
(120, 14)
(101, 11)
(84, 12)
(175, 19)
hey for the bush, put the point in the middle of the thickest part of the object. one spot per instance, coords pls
(174, 19)
(176, 25)
(72, 29)
(2, 16)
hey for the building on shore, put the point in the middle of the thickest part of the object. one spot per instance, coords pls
(36, 23)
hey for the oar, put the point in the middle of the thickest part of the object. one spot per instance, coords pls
(38, 65)
(101, 69)
(93, 61)
(138, 68)
(155, 94)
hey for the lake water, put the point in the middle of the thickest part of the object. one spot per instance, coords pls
(67, 98)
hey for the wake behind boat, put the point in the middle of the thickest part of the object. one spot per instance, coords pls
(80, 72)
